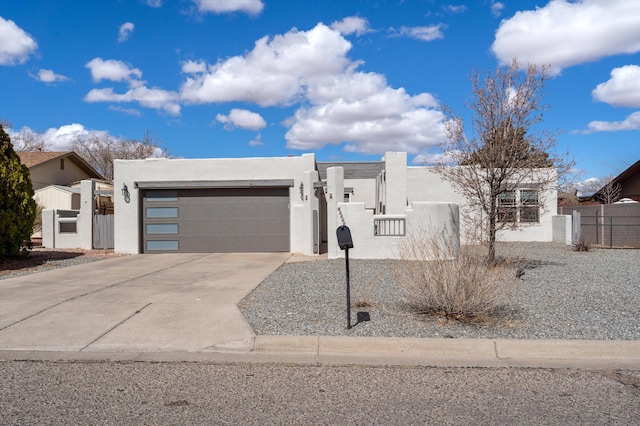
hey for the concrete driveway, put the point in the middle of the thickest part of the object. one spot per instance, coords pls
(140, 303)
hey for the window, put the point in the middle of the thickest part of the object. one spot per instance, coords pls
(162, 228)
(162, 212)
(62, 164)
(162, 245)
(519, 206)
(162, 195)
(529, 210)
(507, 207)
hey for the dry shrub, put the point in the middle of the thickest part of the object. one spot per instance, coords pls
(438, 277)
(581, 245)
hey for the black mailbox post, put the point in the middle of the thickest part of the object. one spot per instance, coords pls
(345, 242)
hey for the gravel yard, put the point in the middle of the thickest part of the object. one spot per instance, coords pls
(42, 259)
(563, 294)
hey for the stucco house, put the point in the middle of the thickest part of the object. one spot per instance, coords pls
(57, 168)
(56, 178)
(295, 204)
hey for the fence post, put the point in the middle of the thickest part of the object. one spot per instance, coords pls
(610, 231)
(576, 232)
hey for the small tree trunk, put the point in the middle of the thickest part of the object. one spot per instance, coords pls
(491, 254)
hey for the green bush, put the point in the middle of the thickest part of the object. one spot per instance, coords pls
(17, 206)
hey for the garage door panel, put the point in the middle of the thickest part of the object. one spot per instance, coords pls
(223, 220)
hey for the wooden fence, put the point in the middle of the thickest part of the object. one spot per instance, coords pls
(103, 231)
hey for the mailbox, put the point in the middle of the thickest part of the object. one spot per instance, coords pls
(344, 237)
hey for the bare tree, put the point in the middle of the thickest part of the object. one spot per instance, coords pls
(504, 168)
(26, 140)
(100, 151)
(609, 193)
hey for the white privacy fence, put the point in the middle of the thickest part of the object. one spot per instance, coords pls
(78, 228)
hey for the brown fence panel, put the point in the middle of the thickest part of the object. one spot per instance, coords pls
(609, 225)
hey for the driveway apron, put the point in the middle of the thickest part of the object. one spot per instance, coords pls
(139, 303)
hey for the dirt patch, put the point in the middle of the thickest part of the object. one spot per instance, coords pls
(42, 259)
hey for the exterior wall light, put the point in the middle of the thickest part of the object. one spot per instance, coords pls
(125, 192)
(302, 191)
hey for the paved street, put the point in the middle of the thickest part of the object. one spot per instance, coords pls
(198, 393)
(159, 340)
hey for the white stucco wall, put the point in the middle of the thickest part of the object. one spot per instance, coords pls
(364, 191)
(82, 217)
(562, 229)
(395, 164)
(127, 215)
(420, 218)
(423, 184)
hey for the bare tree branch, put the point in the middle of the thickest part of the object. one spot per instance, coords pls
(100, 151)
(505, 153)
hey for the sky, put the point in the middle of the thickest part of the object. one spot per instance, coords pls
(344, 79)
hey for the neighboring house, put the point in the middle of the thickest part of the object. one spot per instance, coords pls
(56, 180)
(293, 204)
(57, 168)
(629, 181)
(58, 197)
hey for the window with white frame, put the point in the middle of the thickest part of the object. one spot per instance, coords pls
(519, 206)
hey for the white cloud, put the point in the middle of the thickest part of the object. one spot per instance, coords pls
(155, 98)
(436, 158)
(428, 33)
(352, 25)
(497, 8)
(632, 122)
(566, 33)
(154, 3)
(48, 76)
(129, 111)
(115, 70)
(341, 104)
(622, 89)
(15, 44)
(111, 69)
(243, 119)
(450, 8)
(63, 137)
(370, 116)
(194, 67)
(251, 7)
(275, 72)
(257, 141)
(125, 31)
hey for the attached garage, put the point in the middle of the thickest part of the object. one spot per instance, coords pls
(215, 217)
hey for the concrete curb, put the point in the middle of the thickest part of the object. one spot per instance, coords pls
(384, 351)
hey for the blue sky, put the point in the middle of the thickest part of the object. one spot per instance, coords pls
(345, 79)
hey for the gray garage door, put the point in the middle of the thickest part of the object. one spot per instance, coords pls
(215, 220)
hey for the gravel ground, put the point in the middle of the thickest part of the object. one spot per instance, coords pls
(42, 259)
(563, 294)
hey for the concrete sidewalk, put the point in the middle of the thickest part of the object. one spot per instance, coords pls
(183, 307)
(342, 350)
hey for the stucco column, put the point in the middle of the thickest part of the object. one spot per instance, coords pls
(311, 204)
(48, 228)
(85, 218)
(395, 164)
(335, 194)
